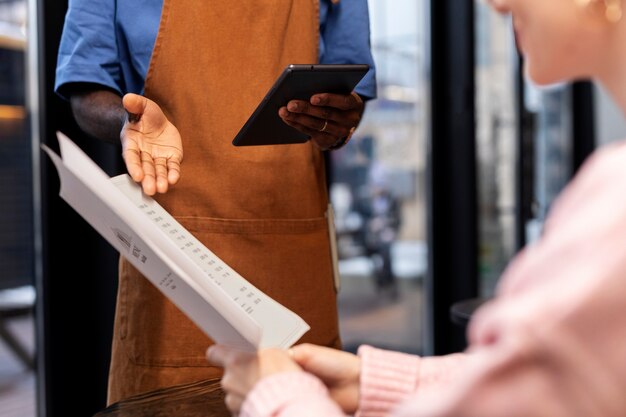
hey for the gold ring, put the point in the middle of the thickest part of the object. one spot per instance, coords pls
(324, 127)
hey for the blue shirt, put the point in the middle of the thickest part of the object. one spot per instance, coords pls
(110, 42)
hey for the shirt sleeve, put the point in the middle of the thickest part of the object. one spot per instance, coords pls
(88, 49)
(345, 39)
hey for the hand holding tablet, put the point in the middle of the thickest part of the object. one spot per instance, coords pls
(305, 119)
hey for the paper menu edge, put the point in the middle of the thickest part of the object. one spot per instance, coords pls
(294, 326)
(80, 167)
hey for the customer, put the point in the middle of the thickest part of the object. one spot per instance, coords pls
(201, 72)
(552, 342)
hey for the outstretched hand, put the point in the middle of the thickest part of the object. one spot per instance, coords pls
(151, 145)
(329, 119)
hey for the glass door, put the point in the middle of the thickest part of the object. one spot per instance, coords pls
(497, 123)
(378, 188)
(524, 147)
(17, 294)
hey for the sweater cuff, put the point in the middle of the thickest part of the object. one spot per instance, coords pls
(387, 379)
(276, 392)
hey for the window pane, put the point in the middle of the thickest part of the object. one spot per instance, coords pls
(496, 136)
(378, 190)
(17, 398)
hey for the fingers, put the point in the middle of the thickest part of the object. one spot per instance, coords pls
(300, 111)
(132, 158)
(152, 145)
(233, 402)
(149, 174)
(222, 356)
(324, 362)
(301, 353)
(340, 101)
(218, 355)
(163, 174)
(324, 133)
(243, 370)
(338, 370)
(313, 358)
(135, 105)
(311, 126)
(329, 119)
(173, 171)
(309, 356)
(155, 166)
(154, 174)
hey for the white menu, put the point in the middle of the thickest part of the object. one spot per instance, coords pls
(215, 297)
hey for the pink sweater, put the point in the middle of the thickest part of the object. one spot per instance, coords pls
(552, 343)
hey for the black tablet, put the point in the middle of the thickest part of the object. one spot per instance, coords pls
(297, 82)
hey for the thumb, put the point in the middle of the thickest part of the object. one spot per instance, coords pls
(135, 105)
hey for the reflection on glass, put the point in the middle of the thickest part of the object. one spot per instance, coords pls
(17, 397)
(15, 176)
(551, 110)
(496, 72)
(378, 192)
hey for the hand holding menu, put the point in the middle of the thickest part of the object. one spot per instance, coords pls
(216, 298)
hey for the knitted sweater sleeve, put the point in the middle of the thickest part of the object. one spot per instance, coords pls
(290, 394)
(387, 379)
(390, 378)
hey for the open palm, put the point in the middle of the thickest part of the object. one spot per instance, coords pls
(151, 145)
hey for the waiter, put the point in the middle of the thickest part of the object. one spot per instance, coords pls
(195, 70)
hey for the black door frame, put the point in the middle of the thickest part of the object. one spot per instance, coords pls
(77, 269)
(452, 192)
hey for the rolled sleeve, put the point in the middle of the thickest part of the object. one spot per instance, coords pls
(88, 49)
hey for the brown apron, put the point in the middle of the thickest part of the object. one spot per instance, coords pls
(261, 209)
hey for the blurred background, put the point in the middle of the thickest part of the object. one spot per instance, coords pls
(450, 173)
